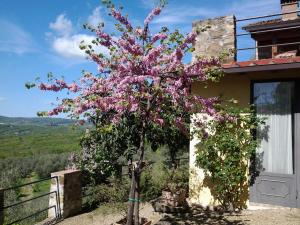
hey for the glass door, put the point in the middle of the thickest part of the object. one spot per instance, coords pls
(274, 177)
(274, 104)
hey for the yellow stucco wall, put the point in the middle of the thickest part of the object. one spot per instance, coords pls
(237, 86)
(198, 192)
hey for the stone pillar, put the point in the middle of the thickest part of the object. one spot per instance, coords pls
(288, 6)
(1, 206)
(70, 191)
(216, 36)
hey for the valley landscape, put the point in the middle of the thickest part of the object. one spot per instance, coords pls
(30, 149)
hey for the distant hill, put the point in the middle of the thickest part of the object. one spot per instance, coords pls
(20, 137)
(44, 121)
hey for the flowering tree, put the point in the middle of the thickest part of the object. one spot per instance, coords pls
(145, 75)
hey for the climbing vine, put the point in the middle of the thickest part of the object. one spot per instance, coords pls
(224, 151)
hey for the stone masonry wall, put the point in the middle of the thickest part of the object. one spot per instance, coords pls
(70, 191)
(220, 37)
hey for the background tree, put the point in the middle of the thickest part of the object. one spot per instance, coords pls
(103, 147)
(144, 75)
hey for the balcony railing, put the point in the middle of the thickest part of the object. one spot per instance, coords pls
(247, 51)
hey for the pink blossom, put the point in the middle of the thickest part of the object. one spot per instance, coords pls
(159, 36)
(191, 37)
(179, 54)
(137, 73)
(155, 12)
(130, 47)
(74, 87)
(56, 110)
(122, 19)
(160, 121)
(105, 39)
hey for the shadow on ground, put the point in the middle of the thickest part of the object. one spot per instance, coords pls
(199, 216)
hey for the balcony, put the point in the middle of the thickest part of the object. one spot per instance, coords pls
(269, 41)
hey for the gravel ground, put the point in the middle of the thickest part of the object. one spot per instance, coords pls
(284, 216)
(281, 216)
(101, 217)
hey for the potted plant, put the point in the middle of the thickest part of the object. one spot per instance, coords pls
(173, 198)
(174, 195)
(175, 192)
(143, 221)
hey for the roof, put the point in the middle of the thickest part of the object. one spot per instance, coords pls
(267, 23)
(288, 1)
(262, 65)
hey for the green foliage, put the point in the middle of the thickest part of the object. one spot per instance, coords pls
(178, 179)
(170, 137)
(116, 191)
(26, 152)
(160, 177)
(155, 178)
(16, 171)
(162, 174)
(41, 165)
(104, 146)
(153, 181)
(22, 137)
(224, 152)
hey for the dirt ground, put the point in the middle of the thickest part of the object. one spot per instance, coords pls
(280, 216)
(258, 217)
(104, 216)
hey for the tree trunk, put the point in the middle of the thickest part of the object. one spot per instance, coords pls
(137, 198)
(131, 197)
(134, 203)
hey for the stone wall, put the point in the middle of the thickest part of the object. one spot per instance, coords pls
(219, 37)
(70, 192)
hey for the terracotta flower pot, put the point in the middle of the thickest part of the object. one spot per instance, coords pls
(144, 221)
(174, 199)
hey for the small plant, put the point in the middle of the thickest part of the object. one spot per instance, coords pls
(224, 152)
(115, 192)
(178, 179)
(153, 180)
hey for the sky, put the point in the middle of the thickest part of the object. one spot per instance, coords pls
(38, 37)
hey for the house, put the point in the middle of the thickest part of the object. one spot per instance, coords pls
(271, 81)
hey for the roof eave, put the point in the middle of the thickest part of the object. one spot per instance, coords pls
(258, 68)
(271, 26)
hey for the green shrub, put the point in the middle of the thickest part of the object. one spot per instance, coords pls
(115, 191)
(161, 177)
(153, 181)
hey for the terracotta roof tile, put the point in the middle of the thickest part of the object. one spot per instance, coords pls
(262, 62)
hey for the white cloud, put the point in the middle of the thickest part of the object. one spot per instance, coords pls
(68, 47)
(65, 41)
(2, 98)
(96, 17)
(62, 25)
(14, 39)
